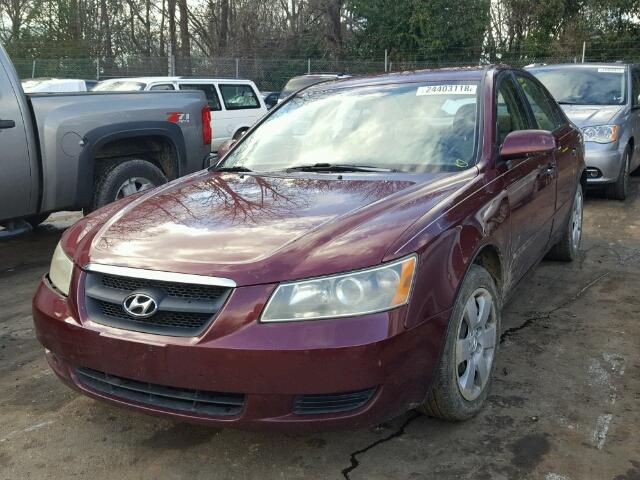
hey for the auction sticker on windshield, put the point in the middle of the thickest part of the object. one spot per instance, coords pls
(610, 70)
(450, 89)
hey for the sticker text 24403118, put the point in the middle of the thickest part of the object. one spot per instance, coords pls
(450, 89)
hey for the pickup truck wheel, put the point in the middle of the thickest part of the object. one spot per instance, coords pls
(567, 248)
(121, 179)
(620, 189)
(460, 382)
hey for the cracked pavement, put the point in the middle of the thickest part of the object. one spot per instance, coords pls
(564, 402)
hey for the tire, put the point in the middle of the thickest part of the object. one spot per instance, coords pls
(566, 250)
(36, 220)
(620, 189)
(459, 388)
(120, 178)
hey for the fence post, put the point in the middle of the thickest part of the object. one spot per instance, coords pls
(33, 70)
(308, 66)
(98, 69)
(584, 50)
(386, 60)
(237, 68)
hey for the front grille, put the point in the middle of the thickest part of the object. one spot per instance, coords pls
(172, 289)
(331, 403)
(181, 399)
(165, 319)
(183, 309)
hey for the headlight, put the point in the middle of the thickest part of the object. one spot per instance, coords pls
(601, 133)
(61, 270)
(356, 293)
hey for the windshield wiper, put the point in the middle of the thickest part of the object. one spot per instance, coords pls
(561, 102)
(327, 167)
(237, 168)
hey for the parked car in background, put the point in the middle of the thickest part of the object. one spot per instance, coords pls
(270, 98)
(54, 85)
(603, 99)
(303, 81)
(82, 150)
(235, 104)
(321, 275)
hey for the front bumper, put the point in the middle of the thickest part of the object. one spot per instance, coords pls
(605, 160)
(271, 365)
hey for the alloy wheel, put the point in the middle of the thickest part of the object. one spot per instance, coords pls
(476, 344)
(133, 185)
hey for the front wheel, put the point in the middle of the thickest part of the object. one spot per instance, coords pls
(461, 381)
(620, 189)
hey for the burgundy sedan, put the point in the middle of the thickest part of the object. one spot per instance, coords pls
(345, 261)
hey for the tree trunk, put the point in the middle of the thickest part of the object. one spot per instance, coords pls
(223, 37)
(185, 41)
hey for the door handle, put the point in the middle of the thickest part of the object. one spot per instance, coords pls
(7, 124)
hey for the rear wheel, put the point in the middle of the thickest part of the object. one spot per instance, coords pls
(567, 248)
(461, 381)
(119, 179)
(620, 189)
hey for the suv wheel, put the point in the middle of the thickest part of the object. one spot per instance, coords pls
(119, 179)
(620, 189)
(460, 383)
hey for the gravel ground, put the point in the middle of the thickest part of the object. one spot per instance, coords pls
(564, 405)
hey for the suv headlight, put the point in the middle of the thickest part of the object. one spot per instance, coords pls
(365, 291)
(601, 133)
(61, 270)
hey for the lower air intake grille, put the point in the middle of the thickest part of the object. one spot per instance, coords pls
(180, 399)
(331, 403)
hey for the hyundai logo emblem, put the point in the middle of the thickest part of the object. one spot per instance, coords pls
(140, 305)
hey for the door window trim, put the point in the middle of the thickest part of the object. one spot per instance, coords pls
(232, 108)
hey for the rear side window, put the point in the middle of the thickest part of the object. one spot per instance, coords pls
(510, 112)
(541, 105)
(238, 97)
(163, 86)
(209, 91)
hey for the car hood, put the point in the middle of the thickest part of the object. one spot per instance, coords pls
(591, 115)
(259, 229)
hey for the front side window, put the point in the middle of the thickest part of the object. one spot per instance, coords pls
(403, 127)
(635, 88)
(592, 85)
(238, 97)
(541, 105)
(209, 91)
(510, 112)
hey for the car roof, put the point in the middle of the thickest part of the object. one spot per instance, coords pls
(175, 79)
(475, 73)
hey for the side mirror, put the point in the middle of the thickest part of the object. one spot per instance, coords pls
(225, 147)
(523, 143)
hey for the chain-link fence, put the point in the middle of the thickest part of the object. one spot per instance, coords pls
(272, 73)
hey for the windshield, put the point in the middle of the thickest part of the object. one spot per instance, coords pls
(585, 86)
(404, 127)
(120, 86)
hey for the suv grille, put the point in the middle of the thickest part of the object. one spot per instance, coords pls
(183, 309)
(181, 399)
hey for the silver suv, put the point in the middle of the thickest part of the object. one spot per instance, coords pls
(603, 99)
